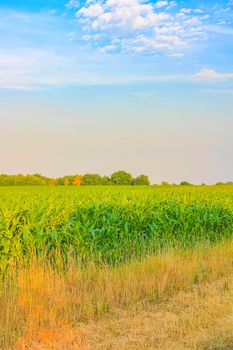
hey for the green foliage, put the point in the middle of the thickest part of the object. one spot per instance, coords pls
(23, 180)
(118, 178)
(91, 180)
(185, 183)
(224, 183)
(67, 180)
(121, 177)
(110, 224)
(141, 180)
(105, 181)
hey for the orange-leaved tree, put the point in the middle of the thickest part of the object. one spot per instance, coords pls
(78, 180)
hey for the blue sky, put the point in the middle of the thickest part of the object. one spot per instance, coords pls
(95, 86)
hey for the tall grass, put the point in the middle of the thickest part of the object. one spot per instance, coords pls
(110, 225)
(37, 298)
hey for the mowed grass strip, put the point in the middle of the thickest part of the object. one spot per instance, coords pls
(39, 298)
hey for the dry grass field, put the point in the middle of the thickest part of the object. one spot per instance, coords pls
(179, 300)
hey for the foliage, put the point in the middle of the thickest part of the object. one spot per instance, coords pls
(23, 180)
(110, 224)
(185, 183)
(118, 178)
(142, 180)
(121, 177)
(91, 180)
(78, 180)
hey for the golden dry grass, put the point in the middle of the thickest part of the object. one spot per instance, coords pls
(64, 337)
(180, 300)
(198, 319)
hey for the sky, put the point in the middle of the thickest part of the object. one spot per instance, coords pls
(97, 86)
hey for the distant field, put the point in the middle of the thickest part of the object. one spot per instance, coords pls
(110, 224)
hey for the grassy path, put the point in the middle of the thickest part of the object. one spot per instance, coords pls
(201, 318)
(181, 300)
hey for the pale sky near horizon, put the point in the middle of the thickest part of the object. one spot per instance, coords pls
(97, 86)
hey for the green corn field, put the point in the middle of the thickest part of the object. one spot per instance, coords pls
(110, 224)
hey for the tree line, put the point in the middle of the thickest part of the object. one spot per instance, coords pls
(117, 178)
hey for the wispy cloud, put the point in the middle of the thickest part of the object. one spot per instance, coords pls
(30, 69)
(160, 4)
(210, 75)
(73, 4)
(219, 91)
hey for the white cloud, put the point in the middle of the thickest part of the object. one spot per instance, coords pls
(212, 75)
(185, 10)
(91, 11)
(172, 4)
(160, 4)
(139, 25)
(73, 4)
(198, 11)
(111, 3)
(177, 55)
(142, 43)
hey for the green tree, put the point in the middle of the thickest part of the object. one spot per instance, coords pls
(121, 178)
(105, 180)
(185, 183)
(142, 180)
(91, 180)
